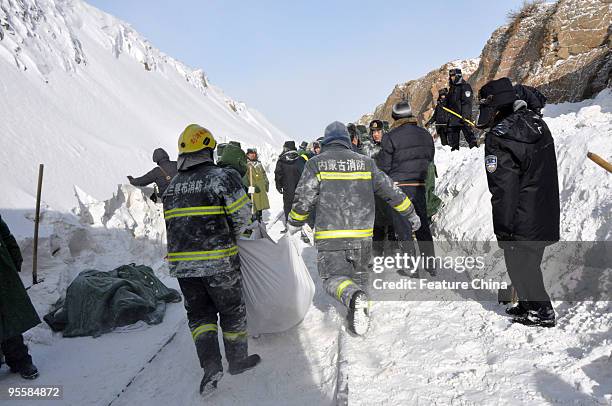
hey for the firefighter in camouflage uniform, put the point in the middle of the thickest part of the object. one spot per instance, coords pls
(340, 186)
(206, 209)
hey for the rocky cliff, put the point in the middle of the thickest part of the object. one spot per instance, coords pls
(563, 48)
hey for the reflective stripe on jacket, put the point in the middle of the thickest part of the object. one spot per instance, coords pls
(206, 209)
(340, 185)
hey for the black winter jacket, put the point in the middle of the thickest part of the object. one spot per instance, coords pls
(339, 185)
(406, 153)
(460, 99)
(521, 170)
(162, 174)
(287, 173)
(440, 117)
(206, 209)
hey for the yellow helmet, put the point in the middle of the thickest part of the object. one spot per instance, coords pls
(195, 138)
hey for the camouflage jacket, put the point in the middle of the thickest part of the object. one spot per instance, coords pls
(206, 209)
(340, 186)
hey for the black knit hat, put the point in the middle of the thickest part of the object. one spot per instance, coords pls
(289, 146)
(494, 95)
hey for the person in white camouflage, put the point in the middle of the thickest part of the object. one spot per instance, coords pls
(206, 209)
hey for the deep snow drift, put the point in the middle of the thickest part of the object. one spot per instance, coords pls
(437, 352)
(85, 94)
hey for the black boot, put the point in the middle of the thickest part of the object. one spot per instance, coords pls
(238, 367)
(27, 370)
(517, 311)
(209, 382)
(545, 317)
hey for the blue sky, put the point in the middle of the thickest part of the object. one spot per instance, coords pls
(307, 63)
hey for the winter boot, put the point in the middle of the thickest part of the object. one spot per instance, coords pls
(545, 317)
(27, 370)
(238, 367)
(359, 313)
(209, 382)
(517, 311)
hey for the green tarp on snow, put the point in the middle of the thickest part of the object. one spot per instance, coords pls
(96, 302)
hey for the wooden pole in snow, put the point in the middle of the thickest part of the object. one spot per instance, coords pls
(41, 169)
(600, 161)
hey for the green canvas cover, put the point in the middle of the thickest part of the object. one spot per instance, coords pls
(96, 302)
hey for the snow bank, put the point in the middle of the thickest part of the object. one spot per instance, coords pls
(89, 97)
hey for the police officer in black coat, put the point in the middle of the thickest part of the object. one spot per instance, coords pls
(460, 97)
(161, 175)
(287, 174)
(440, 116)
(521, 168)
(407, 151)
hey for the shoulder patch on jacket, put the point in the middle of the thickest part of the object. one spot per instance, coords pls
(491, 163)
(468, 93)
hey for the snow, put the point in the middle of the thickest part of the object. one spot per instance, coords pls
(76, 95)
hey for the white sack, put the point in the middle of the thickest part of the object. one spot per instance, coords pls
(277, 286)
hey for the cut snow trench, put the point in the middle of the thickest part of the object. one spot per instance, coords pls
(433, 352)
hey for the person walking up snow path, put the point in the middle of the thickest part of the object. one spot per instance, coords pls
(340, 185)
(206, 209)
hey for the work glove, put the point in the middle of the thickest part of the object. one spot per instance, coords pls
(130, 178)
(252, 190)
(292, 230)
(414, 220)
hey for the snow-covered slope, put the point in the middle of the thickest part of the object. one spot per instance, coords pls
(89, 97)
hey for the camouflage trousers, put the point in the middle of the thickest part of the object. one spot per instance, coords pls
(205, 298)
(345, 272)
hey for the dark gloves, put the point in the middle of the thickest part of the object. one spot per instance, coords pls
(130, 178)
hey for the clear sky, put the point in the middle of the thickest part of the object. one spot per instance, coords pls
(307, 63)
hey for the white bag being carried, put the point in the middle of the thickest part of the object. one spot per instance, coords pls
(277, 286)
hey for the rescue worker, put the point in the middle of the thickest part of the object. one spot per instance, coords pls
(17, 314)
(161, 175)
(459, 100)
(407, 151)
(440, 117)
(287, 174)
(384, 241)
(339, 185)
(521, 167)
(316, 148)
(206, 209)
(257, 183)
(304, 152)
(233, 157)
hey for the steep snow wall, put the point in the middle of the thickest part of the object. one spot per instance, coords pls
(89, 97)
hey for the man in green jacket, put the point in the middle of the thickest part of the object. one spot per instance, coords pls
(17, 315)
(257, 183)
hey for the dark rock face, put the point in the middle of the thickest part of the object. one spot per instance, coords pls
(561, 48)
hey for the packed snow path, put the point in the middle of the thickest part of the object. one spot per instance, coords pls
(460, 352)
